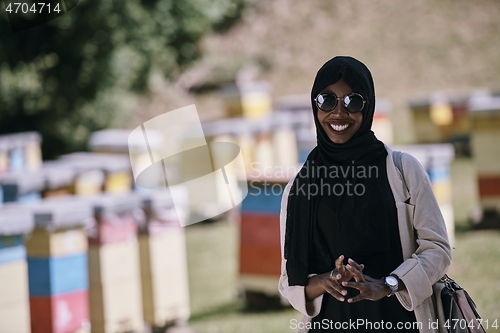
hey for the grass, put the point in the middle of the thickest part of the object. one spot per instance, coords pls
(213, 265)
(475, 267)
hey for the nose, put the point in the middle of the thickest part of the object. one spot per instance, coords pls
(338, 111)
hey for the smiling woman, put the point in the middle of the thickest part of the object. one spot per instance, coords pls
(346, 249)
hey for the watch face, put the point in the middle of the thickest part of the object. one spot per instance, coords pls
(391, 281)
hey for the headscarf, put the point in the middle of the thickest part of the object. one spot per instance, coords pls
(361, 222)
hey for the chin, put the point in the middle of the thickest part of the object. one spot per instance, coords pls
(339, 141)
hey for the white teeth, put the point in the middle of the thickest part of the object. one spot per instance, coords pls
(339, 128)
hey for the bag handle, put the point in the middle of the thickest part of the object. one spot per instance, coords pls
(397, 157)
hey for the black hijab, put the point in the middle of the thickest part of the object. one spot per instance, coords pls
(361, 223)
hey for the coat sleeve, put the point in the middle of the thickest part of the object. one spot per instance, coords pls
(432, 255)
(294, 294)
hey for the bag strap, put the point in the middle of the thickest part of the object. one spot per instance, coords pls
(397, 157)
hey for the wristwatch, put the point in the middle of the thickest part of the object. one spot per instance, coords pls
(392, 283)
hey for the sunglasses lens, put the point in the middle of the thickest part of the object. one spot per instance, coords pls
(353, 103)
(326, 102)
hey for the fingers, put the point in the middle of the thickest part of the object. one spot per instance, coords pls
(358, 298)
(356, 265)
(356, 285)
(358, 276)
(336, 291)
(339, 265)
(362, 287)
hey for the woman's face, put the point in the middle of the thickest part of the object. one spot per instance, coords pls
(339, 124)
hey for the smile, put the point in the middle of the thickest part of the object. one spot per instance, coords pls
(339, 128)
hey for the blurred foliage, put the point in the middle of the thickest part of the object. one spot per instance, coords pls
(79, 72)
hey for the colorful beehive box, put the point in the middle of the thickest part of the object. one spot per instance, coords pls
(14, 295)
(116, 168)
(22, 186)
(164, 276)
(440, 118)
(20, 152)
(4, 154)
(88, 177)
(260, 252)
(237, 130)
(485, 142)
(119, 142)
(114, 271)
(382, 124)
(58, 179)
(251, 100)
(32, 151)
(57, 266)
(284, 140)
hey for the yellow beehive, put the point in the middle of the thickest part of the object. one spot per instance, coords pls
(108, 172)
(251, 100)
(14, 299)
(165, 289)
(59, 177)
(33, 151)
(118, 182)
(4, 155)
(42, 243)
(89, 183)
(115, 287)
(113, 261)
(441, 118)
(116, 307)
(284, 143)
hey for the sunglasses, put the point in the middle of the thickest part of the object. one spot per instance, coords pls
(328, 101)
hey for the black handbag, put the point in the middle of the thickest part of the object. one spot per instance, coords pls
(460, 312)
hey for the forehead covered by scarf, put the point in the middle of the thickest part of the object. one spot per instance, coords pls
(357, 76)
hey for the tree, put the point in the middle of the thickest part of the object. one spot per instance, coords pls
(73, 75)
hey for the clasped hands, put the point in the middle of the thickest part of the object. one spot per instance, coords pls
(351, 276)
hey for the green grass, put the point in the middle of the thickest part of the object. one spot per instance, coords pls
(475, 267)
(213, 266)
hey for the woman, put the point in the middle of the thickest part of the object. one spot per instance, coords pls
(354, 231)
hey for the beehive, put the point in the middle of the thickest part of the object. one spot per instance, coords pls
(22, 186)
(440, 118)
(485, 142)
(114, 271)
(260, 251)
(251, 100)
(165, 290)
(14, 300)
(115, 171)
(57, 265)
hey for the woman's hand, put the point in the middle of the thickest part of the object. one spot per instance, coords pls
(369, 288)
(331, 282)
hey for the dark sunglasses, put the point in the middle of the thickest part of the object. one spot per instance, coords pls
(328, 101)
